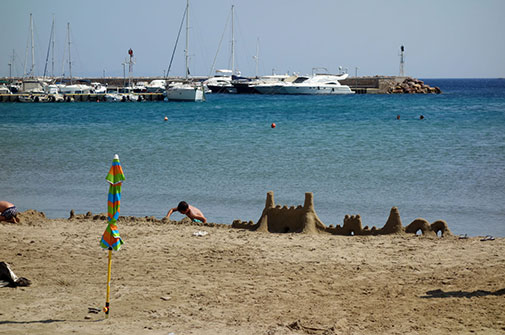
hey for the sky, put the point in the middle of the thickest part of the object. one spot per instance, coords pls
(442, 38)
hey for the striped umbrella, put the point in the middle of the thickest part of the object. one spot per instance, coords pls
(111, 239)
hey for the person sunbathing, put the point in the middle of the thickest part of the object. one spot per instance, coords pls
(8, 212)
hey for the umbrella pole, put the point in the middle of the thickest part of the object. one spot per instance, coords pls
(106, 308)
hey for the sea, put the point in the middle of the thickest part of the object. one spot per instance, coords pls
(223, 156)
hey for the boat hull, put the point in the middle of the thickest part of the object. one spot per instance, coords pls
(244, 88)
(222, 89)
(185, 94)
(303, 90)
(316, 90)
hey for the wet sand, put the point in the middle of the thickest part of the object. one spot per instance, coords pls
(231, 281)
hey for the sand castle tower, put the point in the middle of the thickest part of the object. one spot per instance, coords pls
(277, 219)
(394, 223)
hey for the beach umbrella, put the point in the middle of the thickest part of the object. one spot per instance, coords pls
(110, 238)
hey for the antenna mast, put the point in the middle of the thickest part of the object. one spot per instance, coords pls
(130, 67)
(402, 61)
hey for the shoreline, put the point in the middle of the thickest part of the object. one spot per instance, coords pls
(32, 216)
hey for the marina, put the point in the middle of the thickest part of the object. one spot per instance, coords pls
(155, 90)
(67, 88)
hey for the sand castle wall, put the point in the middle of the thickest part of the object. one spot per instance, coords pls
(303, 219)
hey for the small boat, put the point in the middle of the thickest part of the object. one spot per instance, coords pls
(140, 87)
(75, 89)
(4, 89)
(33, 98)
(56, 97)
(156, 86)
(112, 97)
(98, 88)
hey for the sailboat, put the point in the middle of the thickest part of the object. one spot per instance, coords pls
(71, 87)
(185, 91)
(222, 80)
(30, 83)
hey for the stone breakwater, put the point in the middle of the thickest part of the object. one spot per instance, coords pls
(412, 85)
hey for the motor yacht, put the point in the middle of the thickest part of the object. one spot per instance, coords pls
(266, 84)
(221, 82)
(317, 84)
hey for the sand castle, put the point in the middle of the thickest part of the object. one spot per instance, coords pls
(303, 219)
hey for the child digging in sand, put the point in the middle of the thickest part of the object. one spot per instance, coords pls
(191, 212)
(8, 212)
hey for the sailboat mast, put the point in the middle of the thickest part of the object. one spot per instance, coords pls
(10, 64)
(52, 52)
(33, 47)
(257, 55)
(49, 48)
(187, 38)
(232, 41)
(69, 57)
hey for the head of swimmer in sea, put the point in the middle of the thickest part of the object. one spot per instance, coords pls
(183, 207)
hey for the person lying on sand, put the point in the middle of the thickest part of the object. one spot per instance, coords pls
(191, 212)
(8, 212)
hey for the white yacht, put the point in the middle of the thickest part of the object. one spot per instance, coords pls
(185, 92)
(266, 84)
(309, 85)
(221, 82)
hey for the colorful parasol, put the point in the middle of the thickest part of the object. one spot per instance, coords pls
(111, 239)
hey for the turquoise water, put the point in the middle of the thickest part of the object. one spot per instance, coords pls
(222, 156)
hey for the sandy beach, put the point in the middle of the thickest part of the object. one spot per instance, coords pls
(166, 280)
